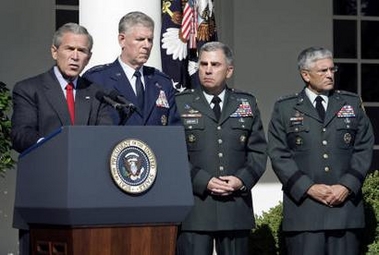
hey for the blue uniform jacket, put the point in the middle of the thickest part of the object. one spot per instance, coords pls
(159, 108)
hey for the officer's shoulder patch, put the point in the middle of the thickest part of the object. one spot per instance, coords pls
(242, 92)
(185, 92)
(288, 97)
(98, 68)
(159, 73)
(347, 93)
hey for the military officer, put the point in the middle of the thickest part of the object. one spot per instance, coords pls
(151, 91)
(320, 146)
(226, 146)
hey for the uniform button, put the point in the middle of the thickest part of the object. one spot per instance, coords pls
(219, 141)
(190, 127)
(347, 126)
(324, 142)
(220, 155)
(296, 129)
(324, 130)
(325, 156)
(218, 128)
(243, 126)
(221, 168)
(326, 169)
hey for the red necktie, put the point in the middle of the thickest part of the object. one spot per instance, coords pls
(70, 101)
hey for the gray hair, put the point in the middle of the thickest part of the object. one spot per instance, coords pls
(213, 46)
(310, 55)
(132, 19)
(71, 28)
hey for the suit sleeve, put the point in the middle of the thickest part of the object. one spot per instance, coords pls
(295, 182)
(174, 117)
(362, 153)
(256, 153)
(24, 131)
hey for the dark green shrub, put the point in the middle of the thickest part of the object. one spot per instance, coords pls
(6, 161)
(267, 238)
(370, 243)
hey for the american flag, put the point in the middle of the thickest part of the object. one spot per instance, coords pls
(186, 25)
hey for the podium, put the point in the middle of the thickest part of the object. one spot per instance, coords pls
(67, 197)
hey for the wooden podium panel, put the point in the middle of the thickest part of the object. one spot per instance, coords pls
(141, 240)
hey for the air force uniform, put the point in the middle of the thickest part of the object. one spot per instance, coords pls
(159, 101)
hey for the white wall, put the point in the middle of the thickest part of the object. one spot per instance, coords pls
(266, 37)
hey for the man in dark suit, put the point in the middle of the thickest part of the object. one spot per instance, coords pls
(151, 91)
(320, 145)
(226, 146)
(39, 103)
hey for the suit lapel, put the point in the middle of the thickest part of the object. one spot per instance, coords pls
(200, 103)
(334, 105)
(82, 102)
(305, 106)
(230, 105)
(152, 90)
(122, 84)
(56, 97)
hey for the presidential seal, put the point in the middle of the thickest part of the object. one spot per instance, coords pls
(133, 166)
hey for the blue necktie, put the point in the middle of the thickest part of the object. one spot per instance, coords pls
(139, 89)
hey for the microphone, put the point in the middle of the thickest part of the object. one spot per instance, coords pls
(104, 98)
(114, 95)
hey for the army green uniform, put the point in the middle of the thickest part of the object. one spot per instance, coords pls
(306, 151)
(234, 145)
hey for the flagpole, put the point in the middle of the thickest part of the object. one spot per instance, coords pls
(101, 19)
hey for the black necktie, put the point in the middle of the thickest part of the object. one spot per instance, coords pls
(319, 107)
(139, 89)
(216, 108)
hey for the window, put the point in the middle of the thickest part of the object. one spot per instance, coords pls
(356, 52)
(66, 11)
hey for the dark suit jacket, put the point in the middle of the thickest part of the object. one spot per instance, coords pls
(305, 151)
(234, 145)
(158, 86)
(40, 108)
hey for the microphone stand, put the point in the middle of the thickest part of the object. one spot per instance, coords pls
(125, 113)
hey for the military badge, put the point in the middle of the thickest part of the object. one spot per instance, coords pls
(164, 120)
(347, 111)
(242, 138)
(347, 138)
(133, 166)
(297, 119)
(190, 121)
(243, 110)
(162, 100)
(299, 140)
(191, 113)
(191, 138)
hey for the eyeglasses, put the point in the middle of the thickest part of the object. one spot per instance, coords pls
(325, 70)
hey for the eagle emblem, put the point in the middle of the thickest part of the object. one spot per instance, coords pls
(133, 166)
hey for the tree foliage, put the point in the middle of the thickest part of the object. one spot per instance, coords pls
(6, 160)
(267, 237)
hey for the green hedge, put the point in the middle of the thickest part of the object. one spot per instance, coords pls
(267, 238)
(6, 161)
